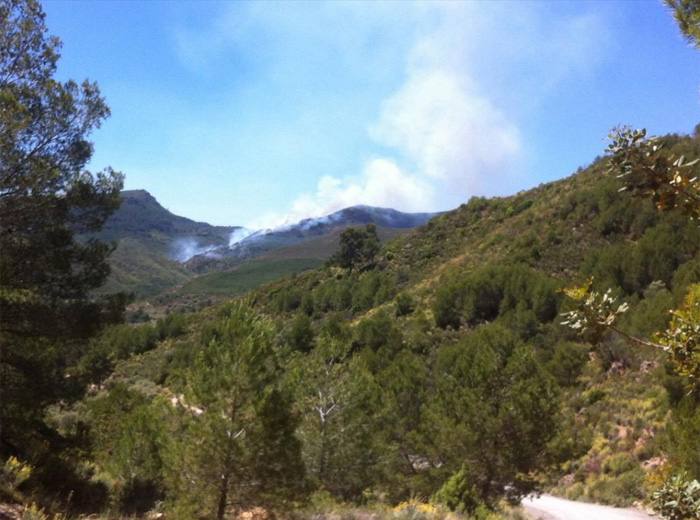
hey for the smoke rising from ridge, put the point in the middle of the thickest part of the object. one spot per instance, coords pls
(449, 131)
(183, 249)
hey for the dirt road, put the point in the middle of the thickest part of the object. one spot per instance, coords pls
(547, 507)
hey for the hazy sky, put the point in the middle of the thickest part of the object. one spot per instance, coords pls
(260, 113)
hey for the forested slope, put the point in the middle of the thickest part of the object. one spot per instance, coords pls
(544, 341)
(439, 367)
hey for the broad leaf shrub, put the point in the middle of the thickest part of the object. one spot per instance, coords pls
(678, 499)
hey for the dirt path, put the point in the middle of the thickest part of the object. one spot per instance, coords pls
(547, 507)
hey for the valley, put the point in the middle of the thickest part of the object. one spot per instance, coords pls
(159, 253)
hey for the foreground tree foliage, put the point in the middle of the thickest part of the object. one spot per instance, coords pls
(687, 14)
(46, 199)
(232, 446)
(648, 170)
(46, 196)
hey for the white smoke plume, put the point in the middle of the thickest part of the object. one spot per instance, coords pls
(446, 132)
(183, 249)
(239, 234)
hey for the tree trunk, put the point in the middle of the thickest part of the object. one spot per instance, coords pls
(223, 495)
(322, 454)
(226, 472)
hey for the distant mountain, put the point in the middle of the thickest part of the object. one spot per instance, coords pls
(157, 250)
(140, 215)
(152, 243)
(309, 238)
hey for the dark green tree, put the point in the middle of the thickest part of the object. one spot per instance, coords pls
(233, 444)
(301, 336)
(358, 248)
(46, 199)
(488, 424)
(405, 391)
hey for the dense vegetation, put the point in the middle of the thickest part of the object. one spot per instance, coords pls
(454, 380)
(249, 275)
(46, 198)
(436, 366)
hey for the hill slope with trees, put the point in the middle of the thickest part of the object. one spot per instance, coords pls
(547, 340)
(438, 365)
(157, 251)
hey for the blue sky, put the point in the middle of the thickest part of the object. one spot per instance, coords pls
(264, 113)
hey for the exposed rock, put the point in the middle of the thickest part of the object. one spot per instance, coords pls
(616, 368)
(648, 366)
(653, 463)
(623, 432)
(257, 513)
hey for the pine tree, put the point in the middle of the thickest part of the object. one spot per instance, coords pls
(234, 445)
(490, 419)
(46, 199)
(358, 248)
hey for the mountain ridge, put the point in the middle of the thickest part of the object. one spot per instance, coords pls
(158, 250)
(263, 242)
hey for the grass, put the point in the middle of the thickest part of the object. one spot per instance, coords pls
(247, 276)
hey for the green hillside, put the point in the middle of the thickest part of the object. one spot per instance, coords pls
(505, 360)
(443, 367)
(195, 291)
(247, 276)
(135, 267)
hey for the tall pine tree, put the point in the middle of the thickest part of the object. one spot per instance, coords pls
(234, 445)
(47, 198)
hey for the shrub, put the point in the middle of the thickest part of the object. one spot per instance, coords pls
(404, 304)
(576, 491)
(678, 498)
(459, 493)
(14, 472)
(301, 336)
(488, 293)
(34, 512)
(620, 463)
(683, 435)
(621, 490)
(567, 362)
(377, 331)
(415, 510)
